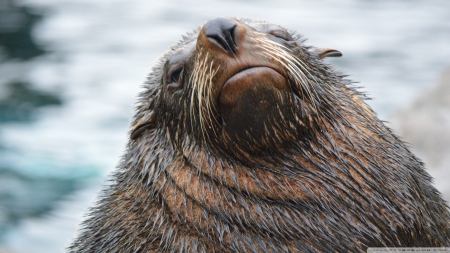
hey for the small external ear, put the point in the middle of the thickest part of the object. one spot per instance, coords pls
(327, 52)
(146, 122)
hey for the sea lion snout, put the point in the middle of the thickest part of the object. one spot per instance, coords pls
(234, 48)
(248, 82)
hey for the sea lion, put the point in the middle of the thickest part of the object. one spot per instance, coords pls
(245, 140)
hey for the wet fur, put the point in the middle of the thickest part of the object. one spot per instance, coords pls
(326, 175)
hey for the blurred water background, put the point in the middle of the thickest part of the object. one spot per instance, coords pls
(70, 70)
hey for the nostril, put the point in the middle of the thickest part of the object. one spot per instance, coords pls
(221, 31)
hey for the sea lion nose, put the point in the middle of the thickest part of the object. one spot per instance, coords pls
(221, 32)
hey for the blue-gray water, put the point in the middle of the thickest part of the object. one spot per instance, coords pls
(66, 101)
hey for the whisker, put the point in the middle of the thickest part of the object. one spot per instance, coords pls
(294, 66)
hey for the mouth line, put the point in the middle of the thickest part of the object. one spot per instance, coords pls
(245, 70)
(248, 69)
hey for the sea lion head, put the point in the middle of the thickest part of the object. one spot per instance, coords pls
(239, 88)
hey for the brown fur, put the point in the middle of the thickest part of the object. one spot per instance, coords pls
(298, 164)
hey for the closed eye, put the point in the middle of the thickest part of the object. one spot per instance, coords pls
(284, 35)
(175, 76)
